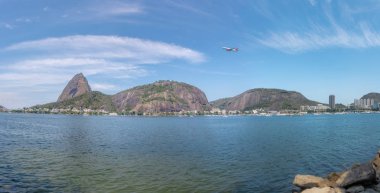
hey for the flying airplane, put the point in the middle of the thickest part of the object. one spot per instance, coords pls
(231, 49)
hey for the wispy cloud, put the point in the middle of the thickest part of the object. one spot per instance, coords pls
(24, 20)
(53, 61)
(6, 25)
(313, 2)
(187, 7)
(335, 31)
(103, 10)
(293, 42)
(137, 50)
(119, 8)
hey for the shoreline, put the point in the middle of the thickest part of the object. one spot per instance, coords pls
(196, 115)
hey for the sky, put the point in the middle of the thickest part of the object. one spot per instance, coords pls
(316, 47)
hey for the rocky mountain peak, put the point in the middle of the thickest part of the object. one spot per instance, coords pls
(77, 86)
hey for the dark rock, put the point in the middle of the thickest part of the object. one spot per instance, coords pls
(376, 187)
(376, 166)
(355, 189)
(357, 174)
(369, 190)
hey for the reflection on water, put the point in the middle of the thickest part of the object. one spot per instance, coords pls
(57, 153)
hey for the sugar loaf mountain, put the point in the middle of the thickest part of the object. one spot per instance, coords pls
(168, 97)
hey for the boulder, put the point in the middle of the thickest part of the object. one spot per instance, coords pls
(376, 166)
(355, 189)
(358, 173)
(309, 181)
(340, 190)
(322, 190)
(333, 177)
(376, 187)
(369, 190)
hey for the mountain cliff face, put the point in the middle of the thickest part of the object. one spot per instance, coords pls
(372, 95)
(161, 96)
(77, 86)
(270, 99)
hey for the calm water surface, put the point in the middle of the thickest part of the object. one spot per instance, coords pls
(59, 153)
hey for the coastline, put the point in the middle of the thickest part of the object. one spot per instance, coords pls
(194, 114)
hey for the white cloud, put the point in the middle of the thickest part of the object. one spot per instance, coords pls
(293, 42)
(138, 50)
(48, 64)
(103, 86)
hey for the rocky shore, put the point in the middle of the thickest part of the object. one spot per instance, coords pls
(360, 178)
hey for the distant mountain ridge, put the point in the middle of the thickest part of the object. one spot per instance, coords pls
(157, 97)
(269, 99)
(172, 96)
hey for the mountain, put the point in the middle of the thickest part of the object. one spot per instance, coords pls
(77, 86)
(269, 99)
(3, 109)
(94, 100)
(372, 95)
(161, 96)
(171, 96)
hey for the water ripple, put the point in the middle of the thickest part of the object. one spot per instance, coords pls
(55, 153)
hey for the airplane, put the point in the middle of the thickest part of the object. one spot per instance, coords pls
(231, 49)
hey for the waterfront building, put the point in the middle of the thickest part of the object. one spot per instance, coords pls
(365, 104)
(318, 108)
(332, 101)
(356, 103)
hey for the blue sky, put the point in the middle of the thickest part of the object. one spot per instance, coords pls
(314, 47)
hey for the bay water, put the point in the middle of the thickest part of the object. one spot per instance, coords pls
(67, 153)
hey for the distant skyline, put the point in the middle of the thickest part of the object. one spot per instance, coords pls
(315, 47)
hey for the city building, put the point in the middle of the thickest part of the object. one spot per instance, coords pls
(332, 101)
(318, 108)
(365, 104)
